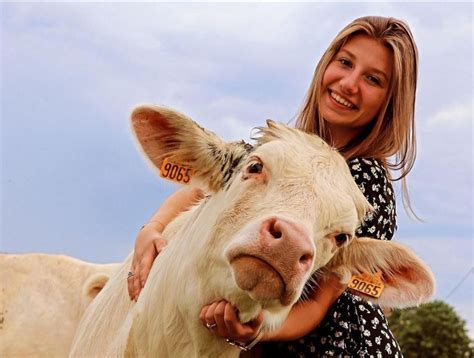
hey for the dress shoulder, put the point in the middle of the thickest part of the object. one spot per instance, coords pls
(371, 177)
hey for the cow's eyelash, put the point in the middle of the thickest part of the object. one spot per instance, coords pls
(255, 166)
(342, 238)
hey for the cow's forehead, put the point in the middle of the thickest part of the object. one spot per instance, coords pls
(295, 141)
(307, 156)
(315, 166)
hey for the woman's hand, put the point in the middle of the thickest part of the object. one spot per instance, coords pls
(221, 319)
(149, 242)
(148, 245)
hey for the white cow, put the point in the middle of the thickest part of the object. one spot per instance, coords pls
(42, 300)
(277, 212)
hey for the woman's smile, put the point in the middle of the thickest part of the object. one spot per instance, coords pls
(340, 101)
(355, 87)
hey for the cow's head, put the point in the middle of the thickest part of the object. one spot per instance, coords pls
(278, 211)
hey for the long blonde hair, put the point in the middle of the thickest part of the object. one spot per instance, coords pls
(392, 133)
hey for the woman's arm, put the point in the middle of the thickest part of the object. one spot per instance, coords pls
(307, 315)
(302, 319)
(149, 241)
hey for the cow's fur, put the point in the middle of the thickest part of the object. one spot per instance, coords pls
(42, 300)
(304, 182)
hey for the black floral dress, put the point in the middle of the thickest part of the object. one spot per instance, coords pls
(354, 327)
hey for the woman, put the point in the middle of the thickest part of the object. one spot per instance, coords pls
(361, 100)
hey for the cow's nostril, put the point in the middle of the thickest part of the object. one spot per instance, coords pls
(305, 258)
(276, 234)
(274, 231)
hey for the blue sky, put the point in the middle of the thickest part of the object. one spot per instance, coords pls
(73, 181)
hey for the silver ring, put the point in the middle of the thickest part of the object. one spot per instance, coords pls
(130, 274)
(211, 325)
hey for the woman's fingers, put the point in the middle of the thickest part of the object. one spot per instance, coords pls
(209, 316)
(142, 269)
(159, 244)
(236, 329)
(130, 283)
(231, 321)
(148, 258)
(145, 266)
(202, 314)
(212, 316)
(221, 327)
(221, 319)
(136, 285)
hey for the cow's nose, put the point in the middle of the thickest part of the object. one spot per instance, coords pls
(287, 241)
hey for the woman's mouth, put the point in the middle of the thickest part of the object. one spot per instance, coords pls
(341, 101)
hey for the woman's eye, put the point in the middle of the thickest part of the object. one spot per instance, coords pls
(255, 168)
(374, 80)
(341, 239)
(345, 62)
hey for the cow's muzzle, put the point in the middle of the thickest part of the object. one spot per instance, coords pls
(273, 263)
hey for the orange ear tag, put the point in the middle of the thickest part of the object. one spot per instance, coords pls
(370, 285)
(176, 172)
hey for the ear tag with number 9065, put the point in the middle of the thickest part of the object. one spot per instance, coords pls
(370, 285)
(175, 172)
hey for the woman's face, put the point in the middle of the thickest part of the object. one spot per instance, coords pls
(355, 86)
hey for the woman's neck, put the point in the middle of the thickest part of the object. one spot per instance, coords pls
(340, 136)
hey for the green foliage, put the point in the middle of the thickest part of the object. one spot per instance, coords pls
(431, 330)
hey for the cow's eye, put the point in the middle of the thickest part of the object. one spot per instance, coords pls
(255, 168)
(341, 239)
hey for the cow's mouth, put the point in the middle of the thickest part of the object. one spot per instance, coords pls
(260, 279)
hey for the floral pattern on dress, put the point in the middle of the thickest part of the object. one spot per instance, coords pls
(371, 177)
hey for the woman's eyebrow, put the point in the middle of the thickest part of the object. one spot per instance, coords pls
(347, 52)
(372, 69)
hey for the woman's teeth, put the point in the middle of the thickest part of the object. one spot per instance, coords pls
(341, 100)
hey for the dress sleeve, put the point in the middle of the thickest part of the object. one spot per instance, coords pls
(371, 177)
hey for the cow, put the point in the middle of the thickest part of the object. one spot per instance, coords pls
(43, 298)
(275, 213)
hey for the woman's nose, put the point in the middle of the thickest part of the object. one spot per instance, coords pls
(349, 83)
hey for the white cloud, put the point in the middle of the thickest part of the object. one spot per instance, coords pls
(457, 115)
(234, 117)
(441, 181)
(234, 129)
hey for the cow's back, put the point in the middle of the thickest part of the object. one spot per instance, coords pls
(42, 300)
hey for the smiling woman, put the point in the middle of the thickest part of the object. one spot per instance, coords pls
(355, 86)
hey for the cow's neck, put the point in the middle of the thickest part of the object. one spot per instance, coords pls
(185, 271)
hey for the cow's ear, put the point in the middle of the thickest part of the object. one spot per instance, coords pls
(407, 279)
(94, 285)
(164, 133)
